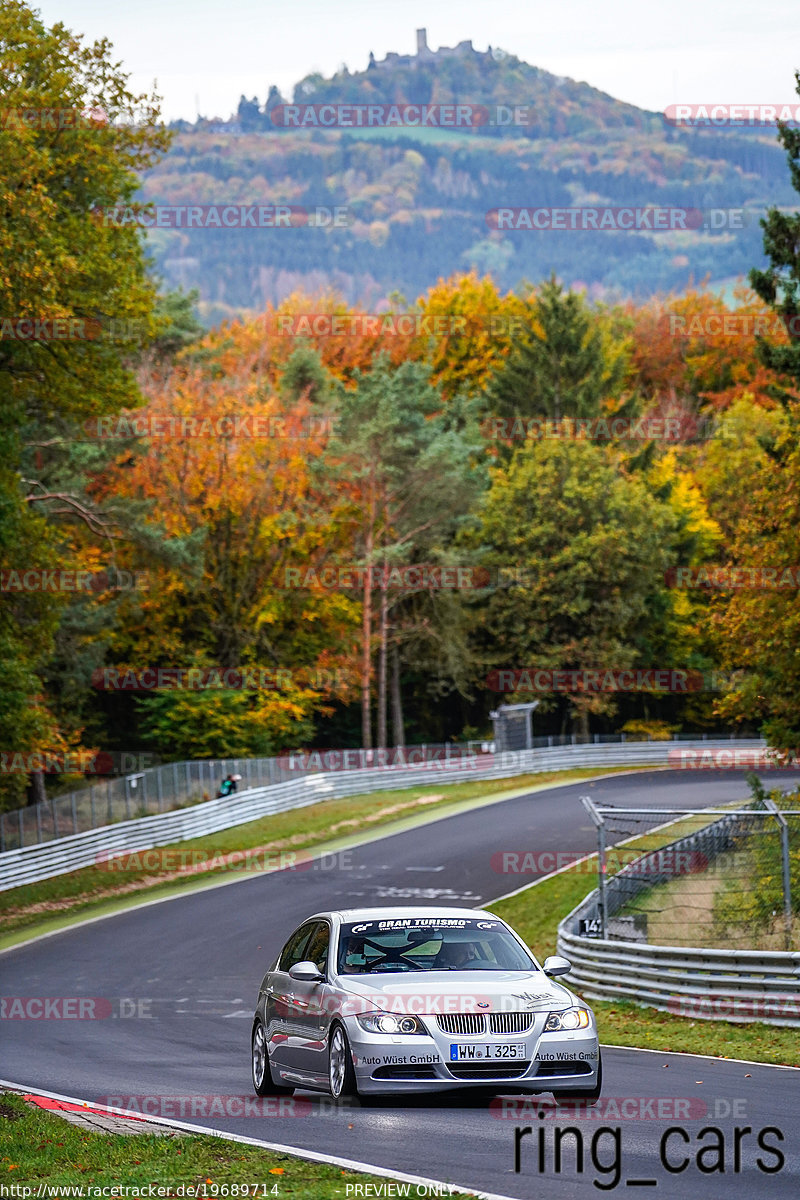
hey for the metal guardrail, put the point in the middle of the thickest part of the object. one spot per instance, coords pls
(147, 790)
(29, 864)
(719, 985)
(707, 984)
(137, 793)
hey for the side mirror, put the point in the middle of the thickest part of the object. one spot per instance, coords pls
(555, 965)
(306, 971)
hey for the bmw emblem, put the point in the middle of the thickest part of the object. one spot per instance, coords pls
(482, 1005)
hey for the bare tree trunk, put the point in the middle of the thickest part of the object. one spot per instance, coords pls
(582, 723)
(36, 789)
(384, 633)
(366, 652)
(399, 736)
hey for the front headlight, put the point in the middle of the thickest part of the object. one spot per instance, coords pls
(387, 1023)
(570, 1018)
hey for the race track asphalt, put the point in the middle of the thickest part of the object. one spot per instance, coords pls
(180, 979)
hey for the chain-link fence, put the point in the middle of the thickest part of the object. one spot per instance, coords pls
(178, 784)
(726, 879)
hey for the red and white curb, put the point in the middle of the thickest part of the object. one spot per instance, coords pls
(92, 1117)
(71, 1107)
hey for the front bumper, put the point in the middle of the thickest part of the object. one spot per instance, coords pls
(551, 1062)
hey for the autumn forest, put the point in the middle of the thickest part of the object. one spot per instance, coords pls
(327, 525)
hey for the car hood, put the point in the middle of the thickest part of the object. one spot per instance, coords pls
(466, 991)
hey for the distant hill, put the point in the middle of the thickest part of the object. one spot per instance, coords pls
(556, 107)
(417, 198)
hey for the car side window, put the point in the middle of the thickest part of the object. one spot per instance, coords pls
(317, 949)
(294, 950)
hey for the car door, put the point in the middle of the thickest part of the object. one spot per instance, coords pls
(280, 1009)
(313, 1007)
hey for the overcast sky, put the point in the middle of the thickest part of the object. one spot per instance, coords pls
(203, 55)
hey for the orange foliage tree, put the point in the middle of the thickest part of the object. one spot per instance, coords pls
(227, 470)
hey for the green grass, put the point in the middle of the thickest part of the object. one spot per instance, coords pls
(736, 906)
(535, 914)
(648, 1029)
(92, 891)
(36, 1147)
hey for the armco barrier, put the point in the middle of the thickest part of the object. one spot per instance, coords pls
(28, 864)
(705, 984)
(720, 985)
(136, 790)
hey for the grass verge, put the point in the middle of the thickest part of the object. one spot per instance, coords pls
(535, 914)
(331, 824)
(37, 1147)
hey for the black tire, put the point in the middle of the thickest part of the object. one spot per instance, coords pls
(260, 1065)
(591, 1096)
(341, 1074)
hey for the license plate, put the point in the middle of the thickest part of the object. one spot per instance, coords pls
(484, 1050)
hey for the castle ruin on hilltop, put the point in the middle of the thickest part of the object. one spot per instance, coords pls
(426, 55)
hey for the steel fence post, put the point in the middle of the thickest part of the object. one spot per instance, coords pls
(601, 877)
(599, 821)
(785, 868)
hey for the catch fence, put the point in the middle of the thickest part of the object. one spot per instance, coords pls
(308, 784)
(180, 784)
(702, 924)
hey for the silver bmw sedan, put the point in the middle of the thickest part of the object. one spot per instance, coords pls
(378, 1000)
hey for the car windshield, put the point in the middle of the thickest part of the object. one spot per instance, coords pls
(428, 944)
